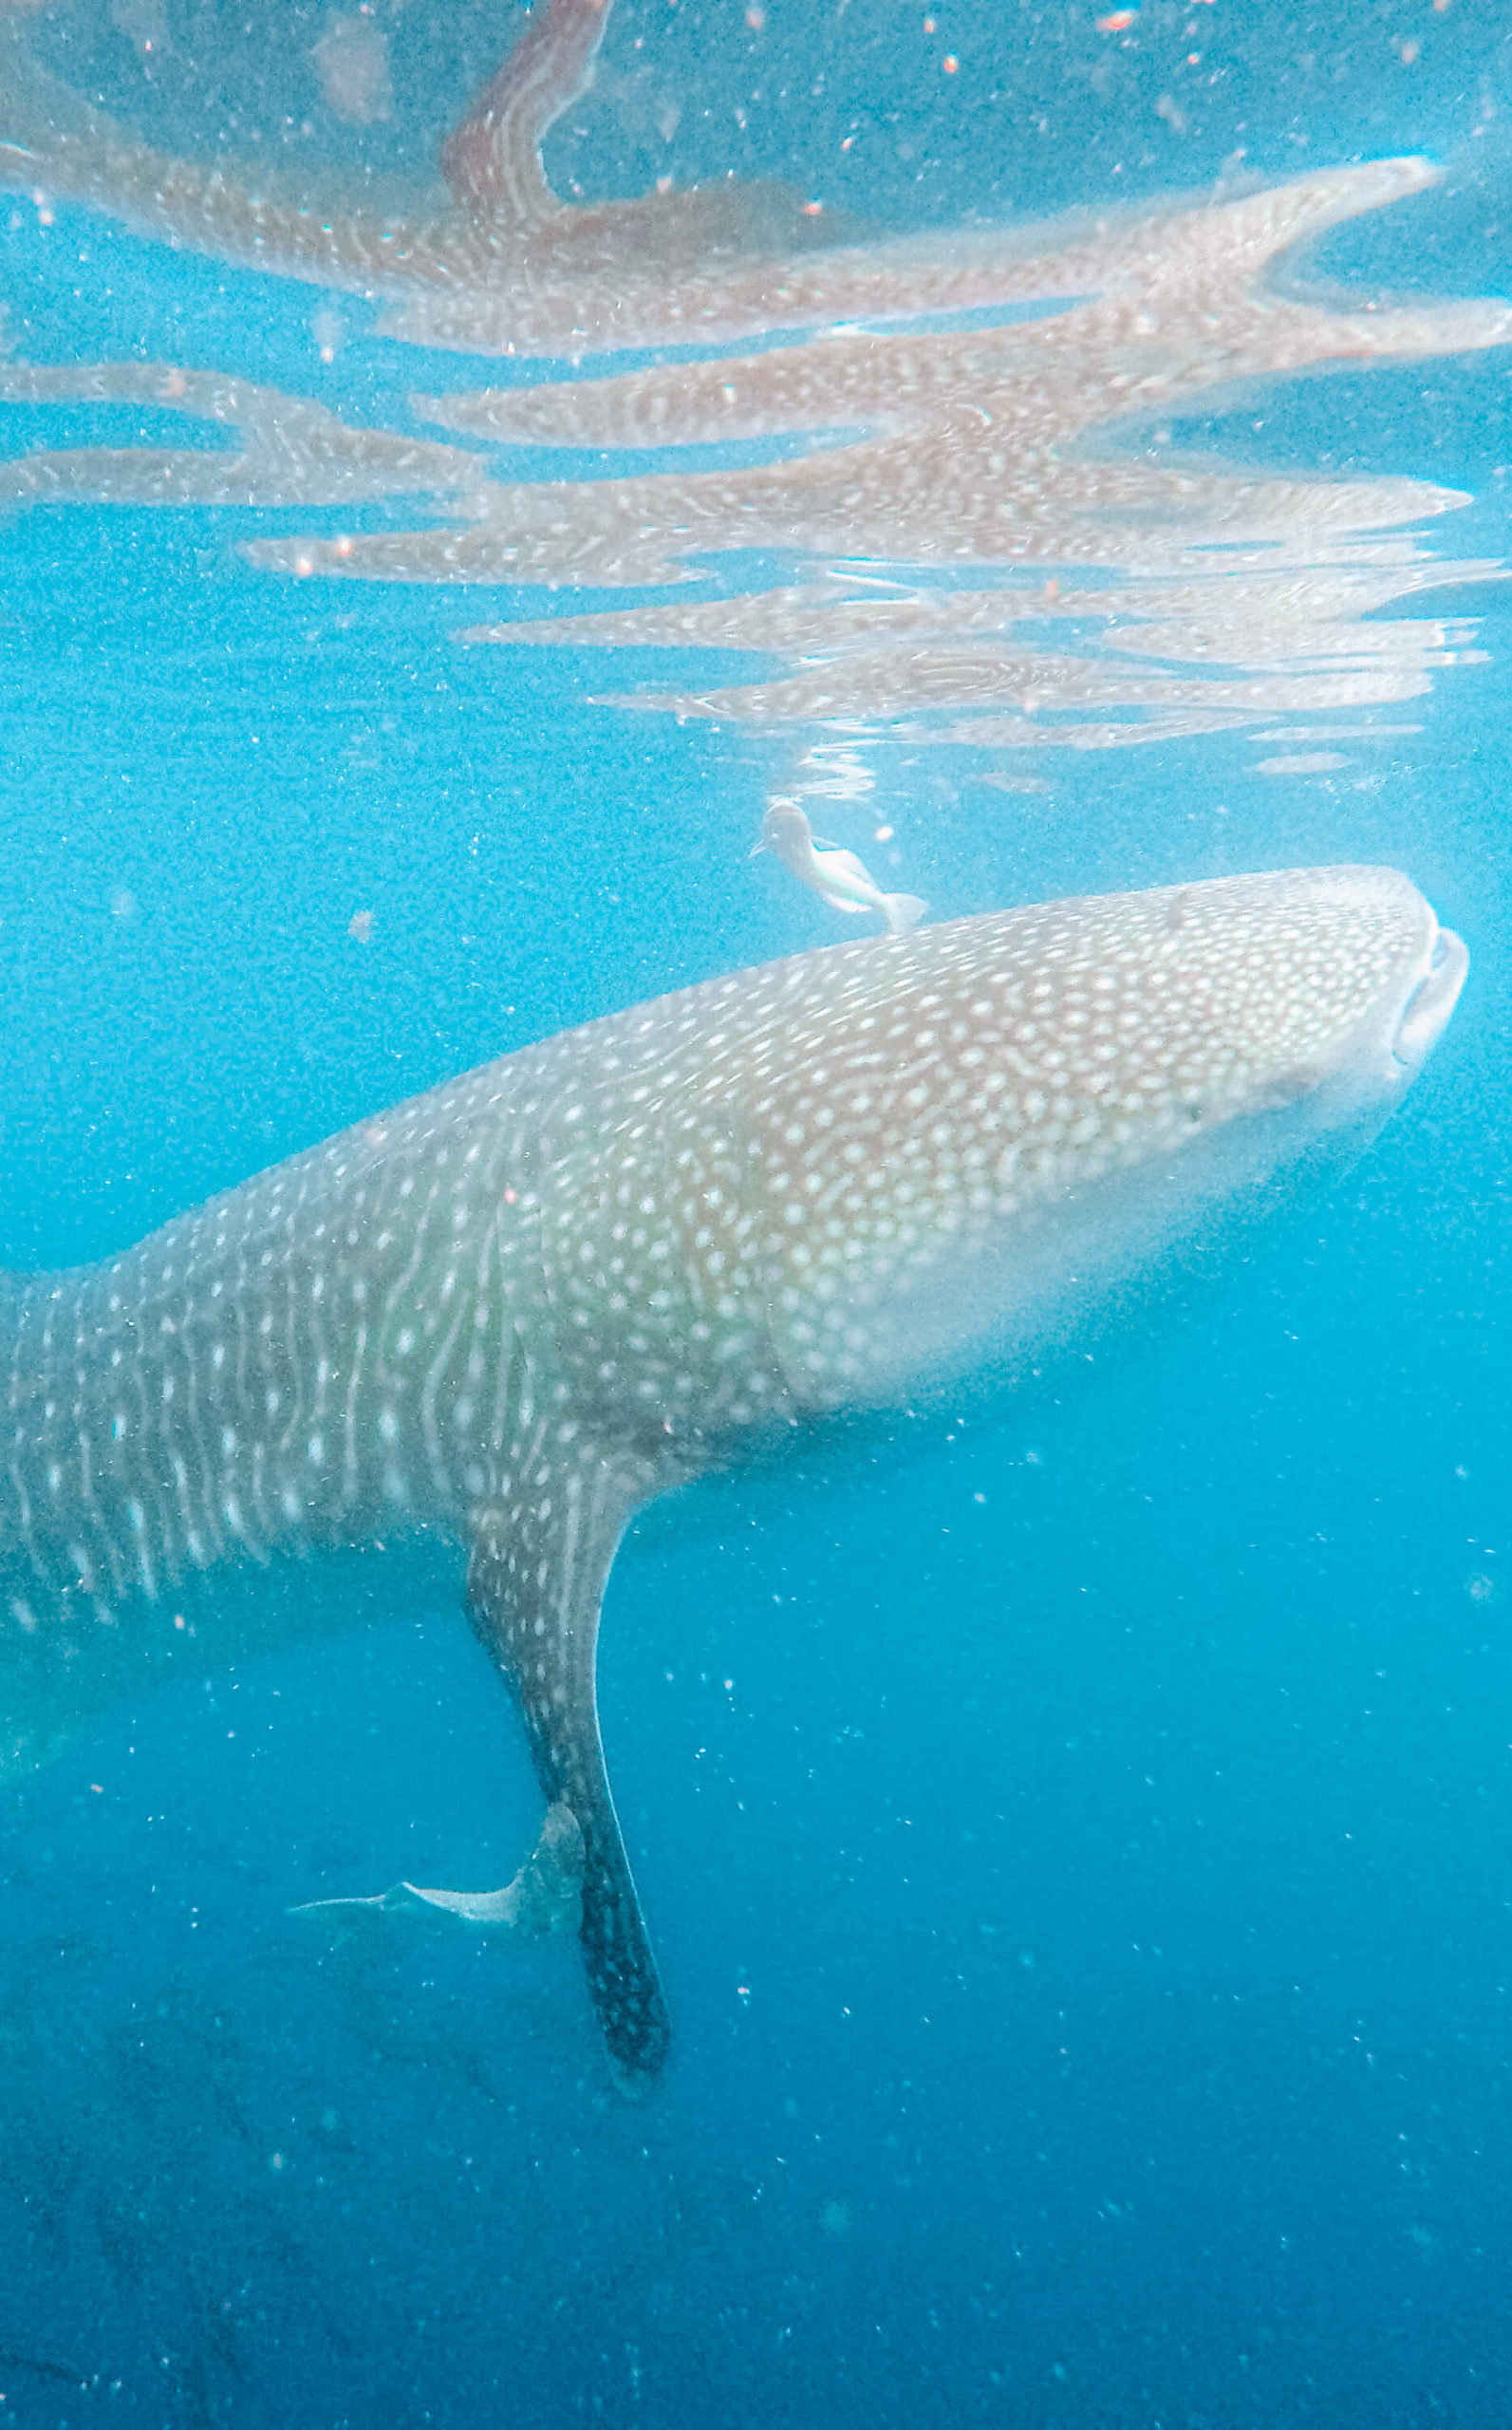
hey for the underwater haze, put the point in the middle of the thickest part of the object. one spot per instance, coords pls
(457, 466)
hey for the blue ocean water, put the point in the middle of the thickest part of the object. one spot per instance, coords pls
(1077, 1834)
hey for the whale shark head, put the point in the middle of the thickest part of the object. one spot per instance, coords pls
(963, 1142)
(834, 1181)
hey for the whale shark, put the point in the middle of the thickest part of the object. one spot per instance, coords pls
(514, 1310)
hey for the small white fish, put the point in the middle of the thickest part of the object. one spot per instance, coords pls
(838, 877)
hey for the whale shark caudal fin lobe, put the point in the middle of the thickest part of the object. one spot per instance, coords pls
(541, 1558)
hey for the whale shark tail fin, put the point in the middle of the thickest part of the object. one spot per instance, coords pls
(541, 1557)
(902, 912)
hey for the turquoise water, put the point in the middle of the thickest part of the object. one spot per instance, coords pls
(1077, 1837)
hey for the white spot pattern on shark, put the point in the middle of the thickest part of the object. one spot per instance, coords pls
(515, 1309)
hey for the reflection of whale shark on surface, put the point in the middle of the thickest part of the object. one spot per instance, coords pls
(517, 1308)
(970, 502)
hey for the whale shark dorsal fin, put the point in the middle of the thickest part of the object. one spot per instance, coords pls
(541, 1554)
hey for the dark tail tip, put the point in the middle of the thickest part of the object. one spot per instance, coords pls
(623, 1978)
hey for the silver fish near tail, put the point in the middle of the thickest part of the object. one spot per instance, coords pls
(515, 1309)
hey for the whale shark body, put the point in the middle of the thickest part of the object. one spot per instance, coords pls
(517, 1308)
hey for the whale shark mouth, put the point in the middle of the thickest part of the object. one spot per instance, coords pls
(1431, 1001)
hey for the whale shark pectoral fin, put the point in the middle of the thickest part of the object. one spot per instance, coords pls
(541, 1558)
(546, 1894)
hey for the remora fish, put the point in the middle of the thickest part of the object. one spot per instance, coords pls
(519, 1307)
(838, 877)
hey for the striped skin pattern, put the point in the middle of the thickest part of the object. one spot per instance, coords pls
(516, 1308)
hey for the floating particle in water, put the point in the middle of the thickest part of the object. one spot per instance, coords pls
(143, 21)
(329, 330)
